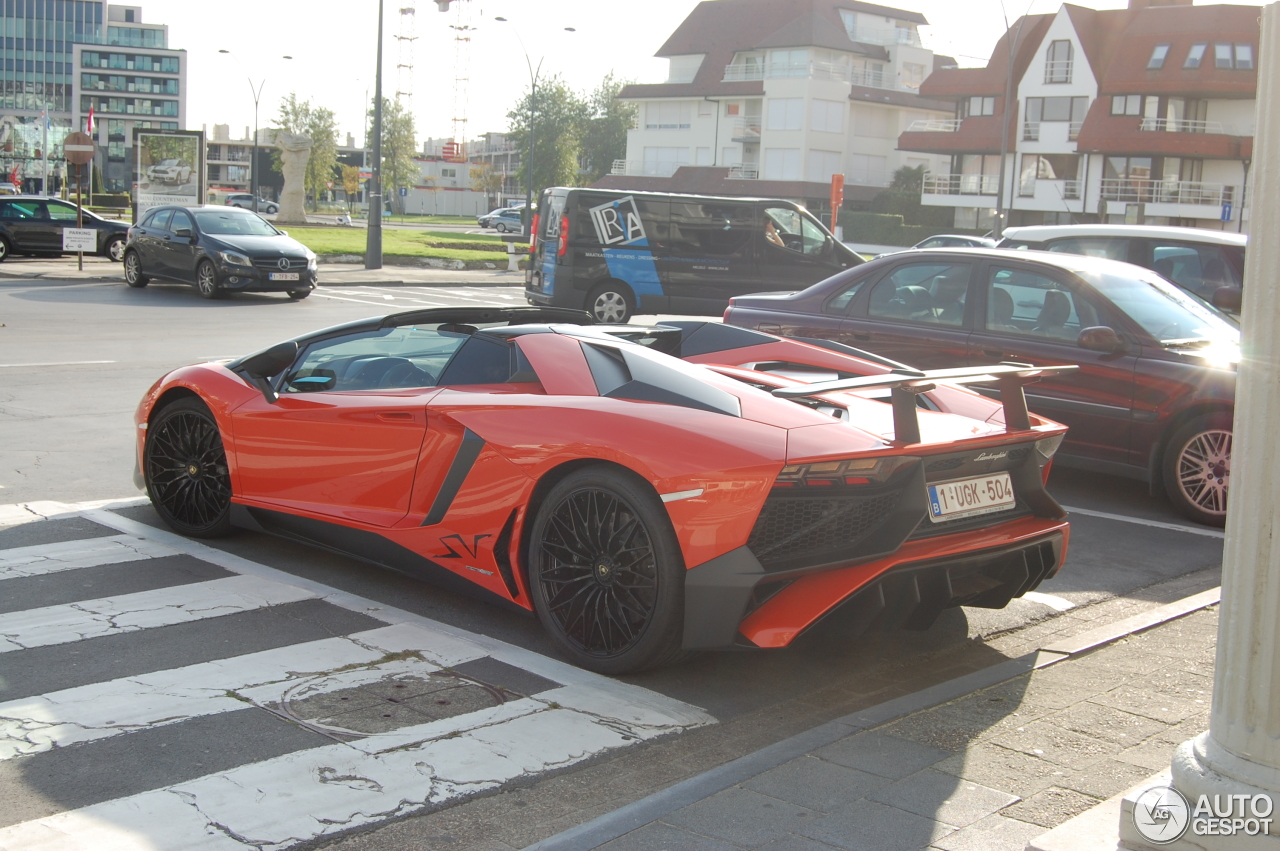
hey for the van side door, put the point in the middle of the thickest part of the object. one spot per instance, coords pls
(709, 256)
(793, 251)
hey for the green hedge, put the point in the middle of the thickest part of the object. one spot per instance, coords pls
(888, 229)
(115, 202)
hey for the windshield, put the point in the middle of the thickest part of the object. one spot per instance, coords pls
(1163, 310)
(233, 223)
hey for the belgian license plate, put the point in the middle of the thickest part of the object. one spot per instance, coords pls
(970, 497)
(284, 276)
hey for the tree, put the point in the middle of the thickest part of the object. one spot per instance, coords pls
(430, 184)
(485, 179)
(321, 167)
(559, 117)
(399, 146)
(350, 183)
(903, 198)
(604, 132)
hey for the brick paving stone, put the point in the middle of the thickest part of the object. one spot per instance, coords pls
(1153, 756)
(815, 783)
(1141, 701)
(742, 817)
(791, 842)
(943, 797)
(886, 756)
(993, 833)
(1051, 742)
(657, 836)
(1106, 778)
(1108, 723)
(1001, 768)
(1051, 807)
(869, 826)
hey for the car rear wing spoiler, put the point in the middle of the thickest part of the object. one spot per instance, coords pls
(905, 384)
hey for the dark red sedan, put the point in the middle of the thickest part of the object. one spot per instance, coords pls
(1155, 393)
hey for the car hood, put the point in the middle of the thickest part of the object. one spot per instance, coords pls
(270, 246)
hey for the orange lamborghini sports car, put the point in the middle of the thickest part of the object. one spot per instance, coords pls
(645, 491)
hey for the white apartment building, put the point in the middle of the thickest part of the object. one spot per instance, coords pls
(773, 97)
(1139, 115)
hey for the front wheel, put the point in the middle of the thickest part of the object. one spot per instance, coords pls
(1197, 468)
(500, 227)
(207, 281)
(5, 251)
(610, 304)
(133, 270)
(186, 470)
(114, 249)
(606, 573)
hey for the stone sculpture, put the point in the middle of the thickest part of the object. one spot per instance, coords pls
(295, 150)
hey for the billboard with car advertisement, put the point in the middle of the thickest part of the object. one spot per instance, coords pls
(168, 169)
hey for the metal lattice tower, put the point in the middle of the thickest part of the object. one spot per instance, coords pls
(462, 30)
(407, 42)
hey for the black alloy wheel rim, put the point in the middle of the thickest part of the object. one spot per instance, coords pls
(205, 280)
(598, 572)
(187, 470)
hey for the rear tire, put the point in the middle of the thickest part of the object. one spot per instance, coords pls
(611, 303)
(606, 573)
(186, 470)
(1197, 468)
(500, 227)
(133, 270)
(207, 281)
(5, 251)
(114, 249)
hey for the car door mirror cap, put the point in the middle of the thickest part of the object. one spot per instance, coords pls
(260, 367)
(1227, 298)
(1100, 338)
(183, 232)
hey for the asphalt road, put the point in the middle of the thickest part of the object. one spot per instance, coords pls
(74, 360)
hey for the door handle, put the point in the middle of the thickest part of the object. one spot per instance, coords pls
(166, 237)
(396, 417)
(993, 353)
(769, 328)
(862, 336)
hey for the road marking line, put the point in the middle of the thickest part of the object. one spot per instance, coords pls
(1175, 527)
(1060, 604)
(55, 363)
(96, 711)
(16, 514)
(72, 555)
(70, 622)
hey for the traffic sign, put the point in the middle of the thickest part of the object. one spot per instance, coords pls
(404, 190)
(79, 148)
(1226, 211)
(79, 239)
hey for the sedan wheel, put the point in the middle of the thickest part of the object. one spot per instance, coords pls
(500, 227)
(607, 576)
(133, 270)
(115, 248)
(186, 470)
(207, 281)
(1197, 470)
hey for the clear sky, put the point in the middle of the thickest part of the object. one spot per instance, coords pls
(332, 45)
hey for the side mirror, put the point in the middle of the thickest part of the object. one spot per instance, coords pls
(1227, 298)
(275, 360)
(185, 232)
(1100, 338)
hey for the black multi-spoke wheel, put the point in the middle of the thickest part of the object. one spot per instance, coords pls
(606, 572)
(186, 470)
(1197, 468)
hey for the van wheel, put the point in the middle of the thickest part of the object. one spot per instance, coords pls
(611, 304)
(1197, 468)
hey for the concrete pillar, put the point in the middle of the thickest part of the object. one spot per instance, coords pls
(1240, 754)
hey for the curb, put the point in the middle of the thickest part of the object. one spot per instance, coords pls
(622, 821)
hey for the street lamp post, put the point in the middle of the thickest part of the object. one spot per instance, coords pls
(527, 213)
(257, 94)
(373, 237)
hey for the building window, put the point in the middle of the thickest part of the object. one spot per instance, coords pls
(1244, 57)
(448, 172)
(732, 108)
(1057, 66)
(669, 115)
(782, 164)
(867, 169)
(1194, 56)
(1222, 56)
(912, 74)
(977, 106)
(1057, 109)
(786, 114)
(663, 162)
(1049, 167)
(1156, 62)
(827, 115)
(1126, 105)
(823, 164)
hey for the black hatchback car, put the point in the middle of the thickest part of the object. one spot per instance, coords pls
(218, 249)
(33, 224)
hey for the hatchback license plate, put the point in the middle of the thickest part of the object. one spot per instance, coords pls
(284, 276)
(970, 497)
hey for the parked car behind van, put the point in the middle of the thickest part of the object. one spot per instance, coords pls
(619, 253)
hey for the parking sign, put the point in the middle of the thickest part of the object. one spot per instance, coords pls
(79, 239)
(404, 190)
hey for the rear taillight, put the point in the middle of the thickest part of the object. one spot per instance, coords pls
(855, 471)
(563, 247)
(533, 235)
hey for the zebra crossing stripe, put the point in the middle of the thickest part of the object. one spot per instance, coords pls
(130, 612)
(71, 555)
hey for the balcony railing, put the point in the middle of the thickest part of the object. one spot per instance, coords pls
(1135, 190)
(1058, 71)
(744, 171)
(935, 125)
(747, 129)
(886, 36)
(815, 71)
(1178, 125)
(961, 184)
(1070, 189)
(1031, 130)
